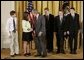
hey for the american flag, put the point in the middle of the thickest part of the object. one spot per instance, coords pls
(30, 6)
(29, 9)
(65, 3)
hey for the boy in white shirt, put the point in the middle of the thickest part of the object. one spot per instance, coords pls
(12, 30)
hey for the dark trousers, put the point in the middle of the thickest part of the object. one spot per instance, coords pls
(60, 41)
(49, 41)
(73, 41)
(66, 36)
(40, 45)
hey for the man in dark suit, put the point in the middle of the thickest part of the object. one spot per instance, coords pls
(66, 29)
(40, 34)
(49, 20)
(59, 23)
(74, 26)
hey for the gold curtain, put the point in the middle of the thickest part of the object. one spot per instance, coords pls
(20, 7)
(40, 5)
(54, 6)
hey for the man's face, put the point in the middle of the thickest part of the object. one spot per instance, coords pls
(72, 11)
(60, 13)
(46, 12)
(33, 13)
(14, 15)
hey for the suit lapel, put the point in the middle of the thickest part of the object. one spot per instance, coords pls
(59, 20)
(37, 21)
(73, 17)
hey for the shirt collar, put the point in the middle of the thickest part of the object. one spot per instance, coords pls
(37, 16)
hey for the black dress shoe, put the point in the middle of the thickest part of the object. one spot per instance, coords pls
(43, 55)
(16, 54)
(49, 51)
(25, 54)
(74, 52)
(57, 52)
(71, 52)
(63, 52)
(28, 54)
(37, 55)
(12, 55)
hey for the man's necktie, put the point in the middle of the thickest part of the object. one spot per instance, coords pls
(47, 17)
(61, 19)
(14, 26)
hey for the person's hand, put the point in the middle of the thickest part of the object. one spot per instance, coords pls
(34, 34)
(16, 29)
(10, 34)
(79, 31)
(64, 33)
(30, 29)
(34, 31)
(40, 33)
(68, 32)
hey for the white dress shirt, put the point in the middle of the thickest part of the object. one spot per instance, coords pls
(47, 16)
(73, 15)
(61, 17)
(26, 26)
(10, 26)
(37, 16)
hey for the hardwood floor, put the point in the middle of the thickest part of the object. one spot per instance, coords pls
(79, 55)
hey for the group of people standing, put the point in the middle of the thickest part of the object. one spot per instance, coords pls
(41, 30)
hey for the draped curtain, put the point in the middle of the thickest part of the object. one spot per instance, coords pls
(54, 6)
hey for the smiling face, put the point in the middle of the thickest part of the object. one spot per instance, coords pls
(60, 13)
(72, 11)
(14, 15)
(46, 12)
(34, 12)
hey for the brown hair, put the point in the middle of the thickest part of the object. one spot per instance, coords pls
(12, 12)
(25, 16)
(46, 9)
(61, 10)
(72, 8)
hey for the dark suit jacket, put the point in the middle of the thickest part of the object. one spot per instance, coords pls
(49, 23)
(73, 23)
(40, 25)
(57, 26)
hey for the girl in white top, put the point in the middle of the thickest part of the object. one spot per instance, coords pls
(27, 34)
(26, 26)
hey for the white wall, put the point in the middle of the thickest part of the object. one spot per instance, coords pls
(82, 19)
(6, 7)
(81, 11)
